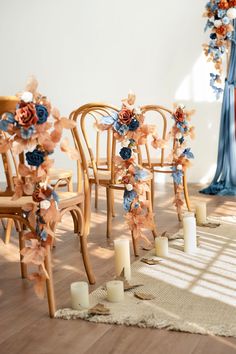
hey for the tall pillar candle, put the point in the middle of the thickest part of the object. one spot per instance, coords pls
(79, 295)
(122, 257)
(190, 233)
(115, 290)
(161, 246)
(201, 213)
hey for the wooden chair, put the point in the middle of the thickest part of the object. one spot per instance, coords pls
(160, 163)
(59, 178)
(86, 145)
(68, 202)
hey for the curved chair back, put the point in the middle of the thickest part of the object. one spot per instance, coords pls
(89, 140)
(8, 105)
(160, 117)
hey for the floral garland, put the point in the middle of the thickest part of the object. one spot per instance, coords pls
(129, 129)
(28, 128)
(181, 154)
(221, 14)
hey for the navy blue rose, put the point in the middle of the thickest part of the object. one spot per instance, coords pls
(42, 113)
(129, 196)
(213, 36)
(35, 158)
(125, 153)
(134, 124)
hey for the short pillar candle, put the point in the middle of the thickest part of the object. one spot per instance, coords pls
(201, 213)
(115, 290)
(122, 257)
(190, 233)
(161, 246)
(79, 295)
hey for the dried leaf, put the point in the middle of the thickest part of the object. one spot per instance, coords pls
(144, 296)
(39, 284)
(150, 261)
(99, 309)
(127, 285)
(67, 123)
(211, 225)
(23, 170)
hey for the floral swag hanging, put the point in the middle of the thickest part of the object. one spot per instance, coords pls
(220, 14)
(29, 128)
(130, 130)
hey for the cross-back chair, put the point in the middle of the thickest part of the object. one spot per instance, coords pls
(68, 202)
(158, 160)
(92, 112)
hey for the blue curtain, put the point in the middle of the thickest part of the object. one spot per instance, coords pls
(224, 181)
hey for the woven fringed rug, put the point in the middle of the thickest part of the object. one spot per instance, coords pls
(193, 293)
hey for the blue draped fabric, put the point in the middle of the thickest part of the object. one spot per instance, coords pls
(224, 181)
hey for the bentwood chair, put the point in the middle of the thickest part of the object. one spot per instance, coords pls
(59, 178)
(86, 116)
(68, 202)
(162, 162)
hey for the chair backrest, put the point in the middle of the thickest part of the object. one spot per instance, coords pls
(161, 117)
(89, 140)
(8, 105)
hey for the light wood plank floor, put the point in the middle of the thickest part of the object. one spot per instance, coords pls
(24, 324)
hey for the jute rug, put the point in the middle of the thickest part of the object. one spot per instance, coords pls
(193, 293)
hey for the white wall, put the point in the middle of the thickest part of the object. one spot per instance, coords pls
(90, 50)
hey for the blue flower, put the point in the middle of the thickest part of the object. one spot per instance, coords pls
(188, 153)
(121, 129)
(221, 13)
(42, 113)
(109, 120)
(27, 133)
(43, 235)
(125, 153)
(129, 196)
(4, 125)
(181, 140)
(134, 124)
(225, 20)
(140, 174)
(213, 36)
(35, 158)
(55, 196)
(177, 175)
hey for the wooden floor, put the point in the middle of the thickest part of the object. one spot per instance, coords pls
(25, 326)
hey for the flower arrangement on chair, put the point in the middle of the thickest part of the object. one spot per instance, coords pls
(221, 14)
(29, 128)
(181, 154)
(130, 130)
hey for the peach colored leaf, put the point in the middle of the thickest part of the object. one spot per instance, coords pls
(24, 170)
(56, 135)
(55, 113)
(28, 188)
(67, 123)
(32, 84)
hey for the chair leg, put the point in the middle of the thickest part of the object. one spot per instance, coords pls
(113, 203)
(3, 224)
(109, 211)
(175, 192)
(153, 189)
(135, 246)
(186, 195)
(50, 285)
(96, 197)
(150, 209)
(86, 260)
(8, 230)
(23, 266)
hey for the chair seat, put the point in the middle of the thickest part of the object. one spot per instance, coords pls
(156, 162)
(7, 205)
(55, 174)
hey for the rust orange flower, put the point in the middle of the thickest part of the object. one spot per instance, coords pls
(26, 114)
(125, 116)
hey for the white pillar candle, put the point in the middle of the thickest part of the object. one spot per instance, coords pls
(122, 257)
(190, 233)
(201, 213)
(115, 290)
(161, 246)
(79, 295)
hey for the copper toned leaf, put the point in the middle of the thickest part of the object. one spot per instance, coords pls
(144, 296)
(99, 309)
